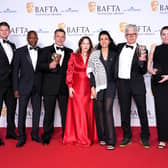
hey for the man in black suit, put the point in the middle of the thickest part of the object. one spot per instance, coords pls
(54, 86)
(27, 84)
(6, 91)
(130, 68)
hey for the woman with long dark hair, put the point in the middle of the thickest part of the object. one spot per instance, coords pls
(101, 72)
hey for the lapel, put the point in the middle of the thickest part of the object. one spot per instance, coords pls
(65, 57)
(3, 54)
(27, 55)
(135, 57)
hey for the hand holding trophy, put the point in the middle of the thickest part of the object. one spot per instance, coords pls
(56, 59)
(142, 52)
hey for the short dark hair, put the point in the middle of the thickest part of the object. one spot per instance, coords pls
(31, 31)
(4, 24)
(59, 30)
(163, 28)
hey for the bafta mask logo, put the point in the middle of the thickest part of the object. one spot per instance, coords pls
(61, 26)
(122, 26)
(29, 7)
(91, 6)
(154, 5)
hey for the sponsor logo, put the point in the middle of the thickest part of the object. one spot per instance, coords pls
(8, 11)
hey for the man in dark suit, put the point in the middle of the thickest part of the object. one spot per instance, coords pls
(27, 84)
(130, 68)
(54, 86)
(6, 91)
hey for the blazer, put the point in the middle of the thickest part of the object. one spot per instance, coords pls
(6, 67)
(24, 76)
(138, 69)
(53, 80)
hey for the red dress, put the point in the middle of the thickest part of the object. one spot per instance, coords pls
(80, 125)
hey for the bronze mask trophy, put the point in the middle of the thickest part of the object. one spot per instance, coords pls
(56, 57)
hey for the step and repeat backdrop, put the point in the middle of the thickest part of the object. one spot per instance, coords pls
(80, 18)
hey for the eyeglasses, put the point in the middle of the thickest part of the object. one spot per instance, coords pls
(133, 34)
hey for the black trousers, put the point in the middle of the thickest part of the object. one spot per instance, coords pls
(36, 106)
(103, 107)
(49, 107)
(6, 95)
(125, 94)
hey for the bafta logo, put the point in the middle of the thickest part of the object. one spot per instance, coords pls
(122, 26)
(91, 6)
(29, 7)
(154, 5)
(61, 25)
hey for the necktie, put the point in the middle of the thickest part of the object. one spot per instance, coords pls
(33, 48)
(60, 48)
(129, 46)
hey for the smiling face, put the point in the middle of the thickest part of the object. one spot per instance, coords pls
(131, 36)
(104, 41)
(32, 39)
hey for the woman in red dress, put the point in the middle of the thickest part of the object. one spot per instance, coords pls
(80, 125)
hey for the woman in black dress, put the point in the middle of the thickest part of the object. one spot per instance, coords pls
(101, 72)
(159, 58)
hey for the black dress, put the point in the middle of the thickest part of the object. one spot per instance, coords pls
(160, 91)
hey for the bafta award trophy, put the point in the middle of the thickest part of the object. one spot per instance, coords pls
(142, 50)
(56, 57)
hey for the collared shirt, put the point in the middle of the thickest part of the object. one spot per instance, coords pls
(8, 50)
(125, 62)
(58, 51)
(33, 55)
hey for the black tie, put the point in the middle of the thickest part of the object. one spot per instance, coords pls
(129, 46)
(60, 48)
(33, 48)
(5, 41)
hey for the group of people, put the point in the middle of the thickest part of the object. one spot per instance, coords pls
(85, 84)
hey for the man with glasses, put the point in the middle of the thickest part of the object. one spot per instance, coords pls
(130, 68)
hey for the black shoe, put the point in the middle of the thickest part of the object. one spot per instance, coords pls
(145, 143)
(1, 142)
(11, 136)
(36, 138)
(125, 142)
(45, 139)
(20, 143)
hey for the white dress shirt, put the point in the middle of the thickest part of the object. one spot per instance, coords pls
(58, 51)
(125, 62)
(8, 50)
(33, 55)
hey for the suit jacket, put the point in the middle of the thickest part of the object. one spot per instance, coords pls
(6, 67)
(53, 80)
(138, 69)
(24, 76)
